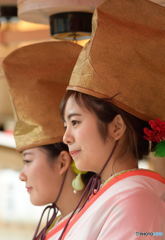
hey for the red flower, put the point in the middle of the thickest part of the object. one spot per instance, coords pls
(157, 131)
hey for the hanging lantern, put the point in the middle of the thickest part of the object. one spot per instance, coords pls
(7, 12)
(68, 19)
(71, 25)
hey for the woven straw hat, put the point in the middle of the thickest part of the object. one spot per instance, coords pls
(37, 76)
(125, 58)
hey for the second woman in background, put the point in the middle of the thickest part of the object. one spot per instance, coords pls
(37, 76)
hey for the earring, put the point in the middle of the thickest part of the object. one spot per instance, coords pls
(77, 183)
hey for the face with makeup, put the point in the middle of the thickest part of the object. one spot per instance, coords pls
(86, 145)
(42, 177)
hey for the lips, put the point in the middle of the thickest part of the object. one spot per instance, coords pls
(74, 152)
(29, 189)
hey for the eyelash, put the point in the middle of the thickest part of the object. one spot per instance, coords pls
(75, 122)
(26, 161)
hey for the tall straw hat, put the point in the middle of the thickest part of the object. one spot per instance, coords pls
(125, 58)
(37, 76)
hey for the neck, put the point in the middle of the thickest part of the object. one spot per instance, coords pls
(117, 163)
(112, 169)
(67, 196)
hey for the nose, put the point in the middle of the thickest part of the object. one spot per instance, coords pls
(68, 138)
(22, 176)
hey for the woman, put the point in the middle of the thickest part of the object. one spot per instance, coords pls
(50, 176)
(111, 96)
(36, 88)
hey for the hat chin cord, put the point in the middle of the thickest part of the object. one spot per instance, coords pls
(42, 234)
(92, 188)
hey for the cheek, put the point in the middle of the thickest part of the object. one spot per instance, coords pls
(91, 138)
(50, 179)
(51, 187)
(31, 172)
(85, 133)
(40, 176)
(46, 177)
(46, 187)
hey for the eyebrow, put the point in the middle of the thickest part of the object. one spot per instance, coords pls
(27, 153)
(73, 114)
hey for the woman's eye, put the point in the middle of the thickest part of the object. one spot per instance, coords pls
(75, 122)
(26, 161)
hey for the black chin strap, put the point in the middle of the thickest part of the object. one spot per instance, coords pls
(42, 234)
(92, 188)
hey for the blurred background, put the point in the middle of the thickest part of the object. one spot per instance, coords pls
(18, 217)
(23, 23)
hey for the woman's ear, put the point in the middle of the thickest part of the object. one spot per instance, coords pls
(117, 128)
(64, 160)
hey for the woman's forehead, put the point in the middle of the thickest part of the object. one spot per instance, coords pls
(74, 107)
(33, 151)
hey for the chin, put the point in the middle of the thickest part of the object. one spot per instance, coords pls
(38, 202)
(81, 166)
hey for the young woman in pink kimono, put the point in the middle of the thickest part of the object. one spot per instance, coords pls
(117, 85)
